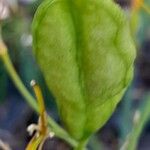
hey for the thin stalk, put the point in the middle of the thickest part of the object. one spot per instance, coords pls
(126, 114)
(18, 83)
(59, 131)
(133, 138)
(82, 145)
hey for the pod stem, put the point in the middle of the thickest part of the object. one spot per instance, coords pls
(59, 131)
(82, 145)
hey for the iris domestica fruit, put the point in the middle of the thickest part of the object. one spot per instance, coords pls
(86, 54)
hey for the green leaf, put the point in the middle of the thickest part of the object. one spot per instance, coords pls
(86, 54)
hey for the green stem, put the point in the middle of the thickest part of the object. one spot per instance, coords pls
(126, 114)
(82, 145)
(138, 127)
(59, 132)
(17, 81)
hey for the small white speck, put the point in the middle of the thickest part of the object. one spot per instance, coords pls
(51, 134)
(33, 83)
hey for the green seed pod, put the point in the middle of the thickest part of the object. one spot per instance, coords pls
(86, 54)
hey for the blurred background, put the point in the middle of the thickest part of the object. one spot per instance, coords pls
(16, 115)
